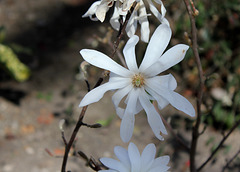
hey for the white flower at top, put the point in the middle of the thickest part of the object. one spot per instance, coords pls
(141, 84)
(100, 8)
(132, 161)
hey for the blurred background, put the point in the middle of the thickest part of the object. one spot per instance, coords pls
(40, 84)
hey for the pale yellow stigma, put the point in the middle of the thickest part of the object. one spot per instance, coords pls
(138, 80)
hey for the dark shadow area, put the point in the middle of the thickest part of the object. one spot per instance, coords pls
(12, 95)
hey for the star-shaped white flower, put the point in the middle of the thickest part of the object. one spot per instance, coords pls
(100, 8)
(141, 84)
(132, 161)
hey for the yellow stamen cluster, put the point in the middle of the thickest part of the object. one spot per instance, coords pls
(138, 80)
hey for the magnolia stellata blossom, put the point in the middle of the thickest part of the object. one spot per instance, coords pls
(141, 84)
(100, 8)
(132, 161)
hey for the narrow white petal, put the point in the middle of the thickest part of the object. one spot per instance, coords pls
(128, 120)
(113, 164)
(100, 60)
(97, 93)
(92, 10)
(122, 155)
(134, 156)
(154, 118)
(147, 157)
(170, 58)
(143, 20)
(154, 10)
(118, 96)
(129, 53)
(167, 81)
(160, 164)
(102, 10)
(163, 10)
(156, 46)
(132, 25)
(114, 21)
(175, 99)
(162, 102)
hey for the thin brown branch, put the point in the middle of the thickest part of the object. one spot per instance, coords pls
(195, 132)
(219, 145)
(230, 161)
(82, 114)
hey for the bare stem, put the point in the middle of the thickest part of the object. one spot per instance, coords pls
(219, 145)
(195, 132)
(84, 109)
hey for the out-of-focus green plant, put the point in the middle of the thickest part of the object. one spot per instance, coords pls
(10, 62)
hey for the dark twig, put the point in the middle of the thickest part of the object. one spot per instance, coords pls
(230, 161)
(90, 161)
(195, 132)
(82, 114)
(219, 145)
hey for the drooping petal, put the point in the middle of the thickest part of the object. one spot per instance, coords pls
(114, 21)
(113, 164)
(134, 156)
(102, 10)
(100, 60)
(175, 99)
(118, 96)
(156, 46)
(154, 10)
(154, 118)
(170, 58)
(147, 157)
(128, 120)
(122, 155)
(132, 25)
(97, 93)
(129, 53)
(143, 20)
(92, 10)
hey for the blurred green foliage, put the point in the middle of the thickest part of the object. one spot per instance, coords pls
(9, 61)
(218, 25)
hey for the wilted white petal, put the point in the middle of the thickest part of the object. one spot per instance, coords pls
(147, 157)
(131, 25)
(113, 164)
(154, 118)
(129, 53)
(92, 10)
(122, 155)
(175, 99)
(97, 93)
(114, 21)
(118, 96)
(134, 156)
(170, 58)
(128, 120)
(100, 60)
(102, 10)
(156, 46)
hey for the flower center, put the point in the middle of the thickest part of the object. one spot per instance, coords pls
(138, 80)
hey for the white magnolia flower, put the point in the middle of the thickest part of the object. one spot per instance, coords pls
(132, 161)
(141, 84)
(100, 8)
